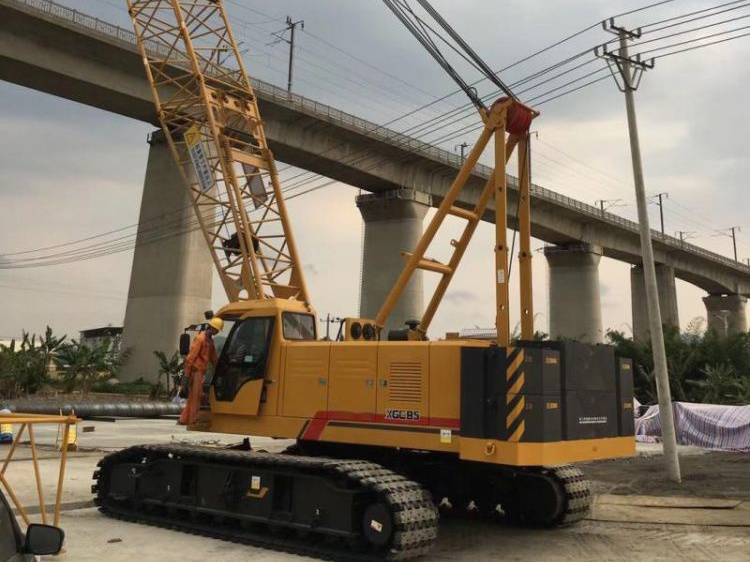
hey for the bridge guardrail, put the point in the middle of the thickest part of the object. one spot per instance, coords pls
(378, 132)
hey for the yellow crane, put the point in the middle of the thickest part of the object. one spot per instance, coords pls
(389, 428)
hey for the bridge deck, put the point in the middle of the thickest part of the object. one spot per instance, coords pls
(61, 51)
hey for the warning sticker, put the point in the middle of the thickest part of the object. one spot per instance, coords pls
(255, 483)
(199, 158)
(500, 276)
(376, 525)
(446, 435)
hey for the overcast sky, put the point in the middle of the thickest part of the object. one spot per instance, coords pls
(68, 171)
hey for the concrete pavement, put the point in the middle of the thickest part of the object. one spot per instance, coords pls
(621, 527)
(92, 537)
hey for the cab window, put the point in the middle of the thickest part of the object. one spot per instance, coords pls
(243, 357)
(221, 338)
(298, 326)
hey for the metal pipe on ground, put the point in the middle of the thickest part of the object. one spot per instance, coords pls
(87, 410)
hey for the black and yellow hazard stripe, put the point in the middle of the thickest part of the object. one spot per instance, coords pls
(515, 424)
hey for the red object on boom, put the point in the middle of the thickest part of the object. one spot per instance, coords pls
(518, 117)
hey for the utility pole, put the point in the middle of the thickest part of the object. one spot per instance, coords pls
(462, 146)
(291, 26)
(661, 205)
(329, 320)
(685, 234)
(605, 204)
(732, 232)
(630, 72)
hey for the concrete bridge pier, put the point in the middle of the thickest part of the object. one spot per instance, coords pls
(726, 313)
(393, 224)
(170, 283)
(574, 301)
(665, 283)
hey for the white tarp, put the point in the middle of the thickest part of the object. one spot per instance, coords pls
(704, 425)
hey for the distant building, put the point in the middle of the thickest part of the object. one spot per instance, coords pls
(95, 336)
(478, 334)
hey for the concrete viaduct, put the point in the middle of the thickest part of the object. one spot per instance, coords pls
(57, 50)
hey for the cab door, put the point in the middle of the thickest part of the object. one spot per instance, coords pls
(246, 358)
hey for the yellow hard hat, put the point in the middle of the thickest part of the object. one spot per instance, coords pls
(216, 323)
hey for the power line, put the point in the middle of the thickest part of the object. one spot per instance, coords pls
(545, 101)
(367, 64)
(565, 93)
(642, 8)
(744, 5)
(254, 10)
(540, 73)
(700, 46)
(691, 14)
(619, 181)
(86, 295)
(699, 28)
(454, 116)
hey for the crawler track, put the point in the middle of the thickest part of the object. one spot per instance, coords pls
(413, 517)
(546, 496)
(577, 493)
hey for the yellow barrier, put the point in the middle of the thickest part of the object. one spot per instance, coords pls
(28, 421)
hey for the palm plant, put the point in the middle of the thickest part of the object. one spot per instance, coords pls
(9, 370)
(168, 367)
(82, 366)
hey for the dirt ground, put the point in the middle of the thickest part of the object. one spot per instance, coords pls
(713, 474)
(93, 538)
(633, 517)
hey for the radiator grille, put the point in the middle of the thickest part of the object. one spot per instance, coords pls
(406, 382)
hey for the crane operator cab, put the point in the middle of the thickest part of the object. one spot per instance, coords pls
(248, 350)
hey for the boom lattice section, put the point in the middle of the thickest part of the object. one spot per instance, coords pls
(209, 113)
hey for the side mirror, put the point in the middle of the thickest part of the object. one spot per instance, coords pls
(184, 344)
(43, 540)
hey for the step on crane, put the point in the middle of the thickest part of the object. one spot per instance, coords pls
(390, 429)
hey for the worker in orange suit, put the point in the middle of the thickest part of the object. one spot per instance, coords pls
(201, 353)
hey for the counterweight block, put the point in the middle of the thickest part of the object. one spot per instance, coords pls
(544, 403)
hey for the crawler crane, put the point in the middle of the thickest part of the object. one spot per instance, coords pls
(390, 428)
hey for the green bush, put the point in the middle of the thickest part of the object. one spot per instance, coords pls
(83, 366)
(139, 387)
(24, 366)
(703, 366)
